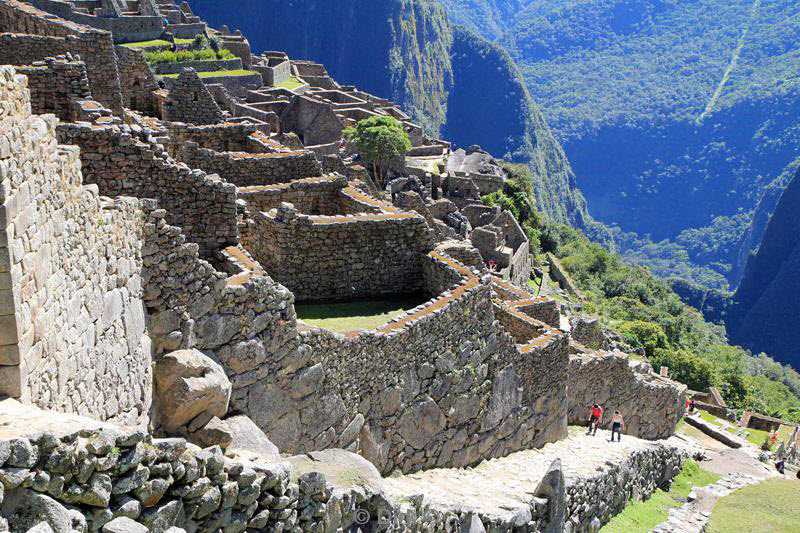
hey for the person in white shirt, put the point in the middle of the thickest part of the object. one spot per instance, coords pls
(617, 424)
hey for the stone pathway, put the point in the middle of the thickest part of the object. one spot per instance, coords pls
(693, 516)
(504, 486)
(737, 466)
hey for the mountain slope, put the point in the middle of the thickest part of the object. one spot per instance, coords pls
(766, 306)
(452, 81)
(672, 112)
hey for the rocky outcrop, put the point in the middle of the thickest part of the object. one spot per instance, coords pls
(763, 316)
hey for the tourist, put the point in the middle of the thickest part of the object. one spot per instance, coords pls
(617, 424)
(691, 406)
(780, 466)
(595, 416)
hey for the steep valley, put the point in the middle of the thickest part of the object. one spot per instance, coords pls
(671, 112)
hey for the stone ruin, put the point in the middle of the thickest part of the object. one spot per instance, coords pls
(156, 372)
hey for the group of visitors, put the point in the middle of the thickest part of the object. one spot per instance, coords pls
(596, 418)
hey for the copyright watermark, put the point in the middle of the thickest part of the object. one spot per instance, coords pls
(362, 517)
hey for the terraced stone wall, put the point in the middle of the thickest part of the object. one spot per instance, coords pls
(340, 257)
(42, 35)
(441, 386)
(225, 137)
(650, 405)
(202, 205)
(73, 324)
(246, 169)
(318, 196)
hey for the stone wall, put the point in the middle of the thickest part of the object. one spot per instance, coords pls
(591, 501)
(441, 386)
(203, 205)
(325, 195)
(244, 169)
(224, 137)
(651, 405)
(72, 296)
(55, 85)
(340, 257)
(205, 65)
(136, 80)
(46, 36)
(189, 101)
(161, 483)
(128, 28)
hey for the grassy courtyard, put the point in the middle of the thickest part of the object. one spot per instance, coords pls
(155, 43)
(218, 73)
(771, 506)
(356, 315)
(291, 83)
(639, 517)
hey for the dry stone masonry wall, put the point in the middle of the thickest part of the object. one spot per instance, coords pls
(77, 475)
(246, 169)
(190, 101)
(39, 35)
(56, 85)
(650, 405)
(203, 205)
(339, 257)
(71, 275)
(137, 81)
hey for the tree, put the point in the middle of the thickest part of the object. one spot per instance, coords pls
(646, 335)
(685, 367)
(378, 140)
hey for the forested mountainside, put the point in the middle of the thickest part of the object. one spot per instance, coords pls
(455, 83)
(676, 114)
(765, 310)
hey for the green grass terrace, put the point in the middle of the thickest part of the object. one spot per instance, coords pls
(772, 505)
(291, 83)
(218, 73)
(357, 315)
(155, 43)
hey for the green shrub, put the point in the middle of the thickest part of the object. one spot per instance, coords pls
(168, 56)
(688, 368)
(646, 335)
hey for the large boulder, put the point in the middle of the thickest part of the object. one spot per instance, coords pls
(249, 441)
(190, 384)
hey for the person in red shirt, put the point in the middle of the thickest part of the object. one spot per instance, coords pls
(595, 416)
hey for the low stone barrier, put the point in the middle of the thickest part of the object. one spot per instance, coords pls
(210, 65)
(715, 433)
(76, 474)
